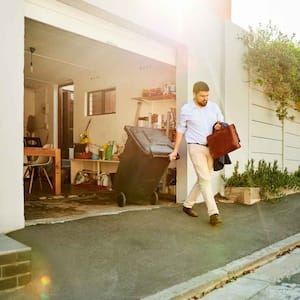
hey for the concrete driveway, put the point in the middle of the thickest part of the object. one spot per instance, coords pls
(134, 254)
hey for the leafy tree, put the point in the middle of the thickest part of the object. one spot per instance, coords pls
(273, 62)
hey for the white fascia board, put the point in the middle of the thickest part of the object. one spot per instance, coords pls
(76, 21)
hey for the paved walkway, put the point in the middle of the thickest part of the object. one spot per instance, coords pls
(141, 254)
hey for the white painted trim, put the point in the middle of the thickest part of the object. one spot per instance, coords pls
(76, 21)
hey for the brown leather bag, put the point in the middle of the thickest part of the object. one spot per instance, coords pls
(223, 141)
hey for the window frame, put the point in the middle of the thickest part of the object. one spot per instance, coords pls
(105, 105)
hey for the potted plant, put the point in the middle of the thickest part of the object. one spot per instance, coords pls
(264, 182)
(241, 187)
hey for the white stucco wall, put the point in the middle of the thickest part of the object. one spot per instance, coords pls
(39, 103)
(29, 106)
(269, 139)
(292, 143)
(44, 112)
(236, 104)
(11, 121)
(205, 44)
(129, 80)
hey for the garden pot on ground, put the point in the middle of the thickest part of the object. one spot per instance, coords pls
(244, 195)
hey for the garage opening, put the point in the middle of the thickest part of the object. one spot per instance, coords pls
(128, 89)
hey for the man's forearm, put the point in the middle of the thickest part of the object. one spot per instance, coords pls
(179, 138)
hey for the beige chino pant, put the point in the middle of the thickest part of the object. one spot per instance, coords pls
(203, 165)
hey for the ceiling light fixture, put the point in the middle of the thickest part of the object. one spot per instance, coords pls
(32, 50)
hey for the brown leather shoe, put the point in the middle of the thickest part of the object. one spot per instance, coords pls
(215, 219)
(189, 211)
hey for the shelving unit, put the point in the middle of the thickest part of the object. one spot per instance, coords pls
(96, 165)
(171, 132)
(156, 98)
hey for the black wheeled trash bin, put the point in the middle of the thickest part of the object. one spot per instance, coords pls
(142, 164)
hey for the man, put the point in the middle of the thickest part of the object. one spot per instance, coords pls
(197, 120)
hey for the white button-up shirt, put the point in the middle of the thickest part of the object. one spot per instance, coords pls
(196, 122)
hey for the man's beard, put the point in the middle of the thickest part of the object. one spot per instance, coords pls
(202, 103)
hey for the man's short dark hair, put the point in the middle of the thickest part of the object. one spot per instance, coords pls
(200, 86)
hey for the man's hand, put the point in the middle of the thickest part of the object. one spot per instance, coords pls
(218, 126)
(173, 155)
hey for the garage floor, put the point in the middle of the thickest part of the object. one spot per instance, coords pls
(75, 202)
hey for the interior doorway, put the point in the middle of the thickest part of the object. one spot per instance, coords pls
(65, 119)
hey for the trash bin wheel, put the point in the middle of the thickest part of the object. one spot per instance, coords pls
(154, 198)
(121, 199)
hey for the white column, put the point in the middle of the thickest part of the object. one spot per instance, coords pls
(11, 121)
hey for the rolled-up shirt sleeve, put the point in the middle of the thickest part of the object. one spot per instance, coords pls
(181, 126)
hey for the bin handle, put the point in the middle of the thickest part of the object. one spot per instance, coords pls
(157, 155)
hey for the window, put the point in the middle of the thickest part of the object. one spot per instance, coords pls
(101, 102)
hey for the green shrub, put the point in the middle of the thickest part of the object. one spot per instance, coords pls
(271, 180)
(296, 178)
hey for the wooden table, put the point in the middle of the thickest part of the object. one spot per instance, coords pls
(54, 152)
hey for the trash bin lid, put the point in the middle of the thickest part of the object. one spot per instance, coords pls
(150, 140)
(161, 150)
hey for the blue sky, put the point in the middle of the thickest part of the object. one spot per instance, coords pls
(283, 14)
